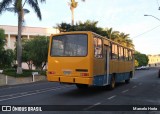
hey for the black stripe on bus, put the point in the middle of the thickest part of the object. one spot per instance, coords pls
(82, 70)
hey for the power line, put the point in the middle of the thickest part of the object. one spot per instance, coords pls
(158, 5)
(146, 32)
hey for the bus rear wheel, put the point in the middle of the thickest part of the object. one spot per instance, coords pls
(82, 86)
(127, 81)
(112, 84)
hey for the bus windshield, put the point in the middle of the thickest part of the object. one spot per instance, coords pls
(69, 45)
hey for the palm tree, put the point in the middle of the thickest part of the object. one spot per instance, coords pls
(73, 5)
(121, 38)
(125, 40)
(19, 9)
(112, 34)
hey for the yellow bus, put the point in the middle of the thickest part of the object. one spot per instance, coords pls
(85, 59)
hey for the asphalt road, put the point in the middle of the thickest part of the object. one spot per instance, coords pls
(144, 89)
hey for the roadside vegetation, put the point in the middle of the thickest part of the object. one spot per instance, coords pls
(116, 36)
(35, 50)
(35, 53)
(18, 7)
(6, 55)
(26, 73)
(141, 59)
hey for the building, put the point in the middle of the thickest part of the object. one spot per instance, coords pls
(154, 60)
(27, 32)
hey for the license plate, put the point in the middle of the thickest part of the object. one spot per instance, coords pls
(67, 72)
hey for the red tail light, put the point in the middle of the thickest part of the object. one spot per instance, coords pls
(84, 74)
(51, 72)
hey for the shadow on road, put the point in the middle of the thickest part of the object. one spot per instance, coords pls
(90, 91)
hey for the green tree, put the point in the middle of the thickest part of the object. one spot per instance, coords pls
(64, 27)
(116, 36)
(18, 8)
(141, 58)
(26, 54)
(86, 26)
(2, 39)
(38, 51)
(136, 63)
(7, 56)
(124, 39)
(112, 34)
(2, 44)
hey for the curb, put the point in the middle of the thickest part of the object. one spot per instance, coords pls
(8, 80)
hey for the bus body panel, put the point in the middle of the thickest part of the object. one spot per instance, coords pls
(119, 69)
(89, 70)
(71, 69)
(101, 67)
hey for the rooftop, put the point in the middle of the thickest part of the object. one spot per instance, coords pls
(9, 29)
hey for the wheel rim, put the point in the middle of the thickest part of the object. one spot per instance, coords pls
(113, 83)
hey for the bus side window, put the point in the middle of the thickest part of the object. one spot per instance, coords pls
(121, 53)
(98, 47)
(114, 51)
(110, 51)
(130, 55)
(126, 54)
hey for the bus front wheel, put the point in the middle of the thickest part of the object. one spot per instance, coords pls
(127, 81)
(113, 83)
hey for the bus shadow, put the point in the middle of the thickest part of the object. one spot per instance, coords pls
(119, 84)
(90, 91)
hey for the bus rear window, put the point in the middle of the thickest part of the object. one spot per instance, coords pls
(69, 45)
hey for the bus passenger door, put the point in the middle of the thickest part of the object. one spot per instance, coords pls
(106, 65)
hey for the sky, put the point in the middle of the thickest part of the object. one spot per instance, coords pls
(122, 15)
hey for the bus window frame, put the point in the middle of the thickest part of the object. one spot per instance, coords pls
(130, 52)
(69, 34)
(116, 54)
(102, 44)
(126, 54)
(121, 53)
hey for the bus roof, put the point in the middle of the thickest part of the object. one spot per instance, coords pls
(104, 37)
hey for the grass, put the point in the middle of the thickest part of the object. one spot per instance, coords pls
(26, 73)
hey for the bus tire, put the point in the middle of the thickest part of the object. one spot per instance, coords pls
(113, 83)
(127, 81)
(82, 86)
